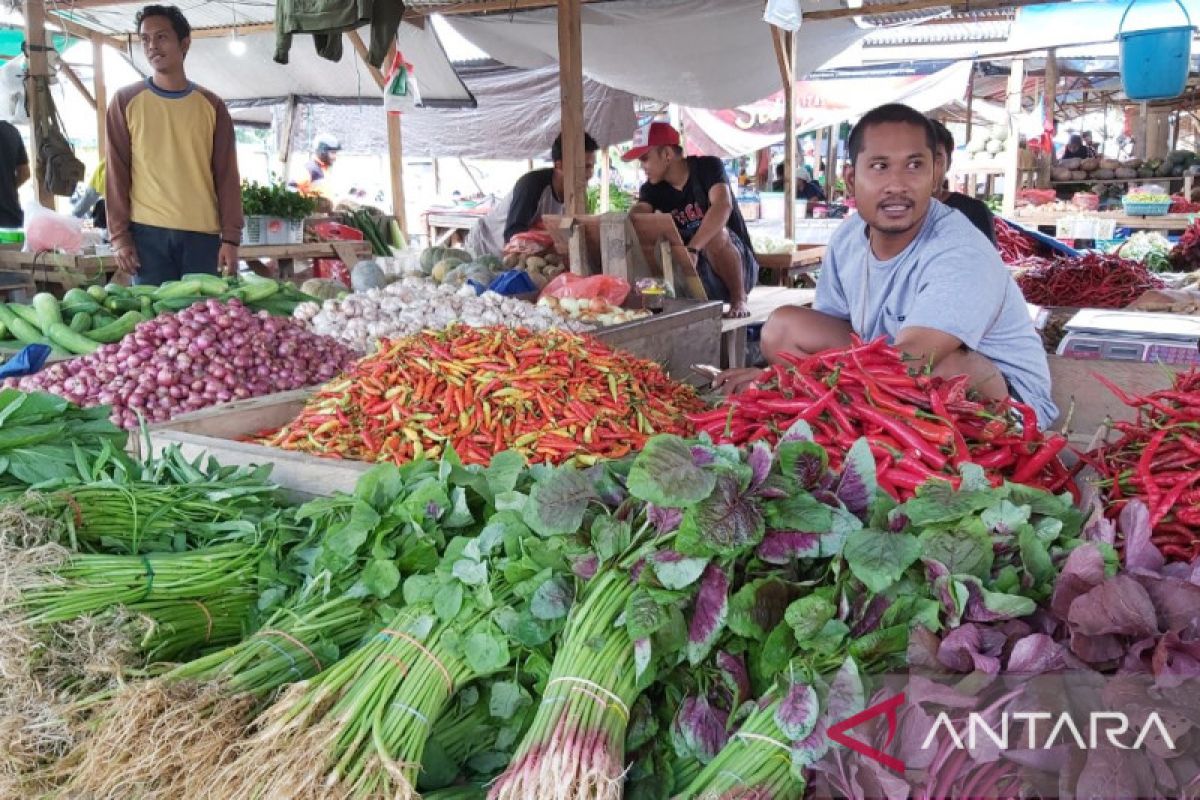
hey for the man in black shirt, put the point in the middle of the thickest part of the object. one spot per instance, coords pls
(695, 192)
(536, 194)
(14, 171)
(975, 210)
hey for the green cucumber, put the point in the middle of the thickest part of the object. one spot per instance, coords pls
(71, 341)
(210, 285)
(115, 331)
(278, 306)
(26, 313)
(142, 290)
(19, 328)
(3, 331)
(256, 292)
(116, 289)
(101, 318)
(71, 309)
(81, 322)
(178, 304)
(122, 304)
(146, 305)
(97, 293)
(48, 311)
(76, 296)
(177, 289)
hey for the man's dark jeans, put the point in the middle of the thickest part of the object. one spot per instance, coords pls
(167, 254)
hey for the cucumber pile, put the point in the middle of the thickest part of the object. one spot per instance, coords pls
(85, 319)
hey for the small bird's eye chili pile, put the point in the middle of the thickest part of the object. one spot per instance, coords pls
(918, 427)
(1157, 459)
(1088, 281)
(552, 396)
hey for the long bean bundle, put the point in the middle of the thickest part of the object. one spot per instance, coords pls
(87, 583)
(140, 516)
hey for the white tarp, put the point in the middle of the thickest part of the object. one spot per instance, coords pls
(517, 118)
(819, 104)
(699, 53)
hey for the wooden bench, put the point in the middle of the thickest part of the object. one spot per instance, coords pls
(786, 268)
(762, 301)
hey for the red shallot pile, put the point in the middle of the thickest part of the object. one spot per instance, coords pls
(210, 353)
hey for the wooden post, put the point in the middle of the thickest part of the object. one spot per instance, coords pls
(605, 181)
(394, 137)
(570, 78)
(1050, 92)
(100, 91)
(35, 38)
(396, 161)
(1012, 159)
(785, 52)
(831, 170)
(970, 102)
(289, 125)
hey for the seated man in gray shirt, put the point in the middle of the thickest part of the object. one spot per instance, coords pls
(910, 268)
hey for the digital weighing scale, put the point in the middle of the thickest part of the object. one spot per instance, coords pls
(1096, 333)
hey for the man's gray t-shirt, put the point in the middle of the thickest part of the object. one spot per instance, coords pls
(949, 278)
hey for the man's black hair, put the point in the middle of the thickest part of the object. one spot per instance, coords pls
(891, 112)
(183, 28)
(589, 146)
(945, 139)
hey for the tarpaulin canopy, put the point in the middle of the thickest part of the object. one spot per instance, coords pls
(517, 118)
(701, 53)
(819, 104)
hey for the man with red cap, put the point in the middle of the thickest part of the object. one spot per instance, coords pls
(694, 190)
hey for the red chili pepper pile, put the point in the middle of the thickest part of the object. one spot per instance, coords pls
(1157, 459)
(918, 427)
(1185, 257)
(552, 395)
(1092, 280)
(1182, 205)
(1014, 246)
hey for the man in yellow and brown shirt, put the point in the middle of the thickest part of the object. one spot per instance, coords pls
(172, 189)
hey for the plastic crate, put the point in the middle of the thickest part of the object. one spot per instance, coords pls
(284, 231)
(1146, 209)
(254, 230)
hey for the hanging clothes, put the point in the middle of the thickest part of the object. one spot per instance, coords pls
(326, 20)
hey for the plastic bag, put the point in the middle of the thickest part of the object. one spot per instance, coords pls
(401, 92)
(610, 288)
(512, 283)
(49, 230)
(530, 243)
(783, 14)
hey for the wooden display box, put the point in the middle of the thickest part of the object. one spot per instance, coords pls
(1085, 404)
(685, 333)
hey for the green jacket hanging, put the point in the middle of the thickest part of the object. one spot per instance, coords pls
(326, 20)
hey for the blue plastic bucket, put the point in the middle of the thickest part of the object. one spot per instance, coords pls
(1154, 61)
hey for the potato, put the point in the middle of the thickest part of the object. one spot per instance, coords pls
(511, 261)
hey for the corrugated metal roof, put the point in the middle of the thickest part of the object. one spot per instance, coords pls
(941, 33)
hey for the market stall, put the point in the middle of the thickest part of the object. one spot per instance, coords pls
(61, 271)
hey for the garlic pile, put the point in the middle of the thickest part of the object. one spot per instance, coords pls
(594, 311)
(413, 305)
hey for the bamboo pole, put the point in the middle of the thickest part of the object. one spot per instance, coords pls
(605, 181)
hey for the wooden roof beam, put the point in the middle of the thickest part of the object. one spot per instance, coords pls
(77, 29)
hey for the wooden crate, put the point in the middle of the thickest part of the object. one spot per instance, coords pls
(1084, 404)
(686, 332)
(215, 431)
